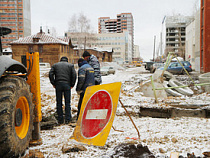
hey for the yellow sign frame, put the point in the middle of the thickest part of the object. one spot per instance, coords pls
(100, 139)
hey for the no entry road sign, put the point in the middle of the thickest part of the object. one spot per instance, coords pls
(97, 113)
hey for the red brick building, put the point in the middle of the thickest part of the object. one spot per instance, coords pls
(205, 36)
(16, 15)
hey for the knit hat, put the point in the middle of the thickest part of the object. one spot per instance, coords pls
(86, 54)
(64, 59)
(80, 60)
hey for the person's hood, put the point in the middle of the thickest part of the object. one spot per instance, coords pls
(92, 58)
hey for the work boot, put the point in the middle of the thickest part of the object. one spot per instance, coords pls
(72, 124)
(60, 122)
(67, 121)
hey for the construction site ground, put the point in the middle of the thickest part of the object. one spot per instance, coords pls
(174, 124)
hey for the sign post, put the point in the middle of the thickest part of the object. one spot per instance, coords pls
(97, 114)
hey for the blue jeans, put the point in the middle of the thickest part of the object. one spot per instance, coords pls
(63, 88)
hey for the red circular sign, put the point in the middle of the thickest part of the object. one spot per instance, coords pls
(97, 113)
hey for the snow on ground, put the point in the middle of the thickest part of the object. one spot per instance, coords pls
(162, 136)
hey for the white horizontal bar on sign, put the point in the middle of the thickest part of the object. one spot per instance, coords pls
(96, 114)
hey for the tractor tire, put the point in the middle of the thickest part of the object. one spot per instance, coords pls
(16, 116)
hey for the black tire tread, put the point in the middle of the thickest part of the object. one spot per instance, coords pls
(11, 88)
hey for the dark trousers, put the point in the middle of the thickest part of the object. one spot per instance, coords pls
(80, 103)
(63, 89)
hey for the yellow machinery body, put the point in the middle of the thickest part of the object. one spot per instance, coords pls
(34, 82)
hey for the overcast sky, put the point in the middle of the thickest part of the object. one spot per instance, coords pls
(147, 14)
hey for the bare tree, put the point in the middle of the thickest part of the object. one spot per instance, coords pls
(53, 31)
(196, 7)
(80, 31)
(83, 23)
(73, 24)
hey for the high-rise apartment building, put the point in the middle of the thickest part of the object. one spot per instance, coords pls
(176, 33)
(123, 22)
(16, 15)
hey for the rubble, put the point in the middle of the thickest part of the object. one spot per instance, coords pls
(73, 147)
(192, 133)
(129, 150)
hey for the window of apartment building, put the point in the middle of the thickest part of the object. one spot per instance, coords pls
(3, 5)
(11, 5)
(117, 53)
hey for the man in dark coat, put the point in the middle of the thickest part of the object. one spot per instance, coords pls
(85, 79)
(94, 63)
(63, 77)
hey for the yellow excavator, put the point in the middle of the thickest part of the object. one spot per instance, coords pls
(20, 103)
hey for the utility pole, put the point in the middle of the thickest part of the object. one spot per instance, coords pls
(161, 39)
(85, 44)
(154, 49)
(161, 49)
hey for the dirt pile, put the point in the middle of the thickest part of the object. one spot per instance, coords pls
(132, 150)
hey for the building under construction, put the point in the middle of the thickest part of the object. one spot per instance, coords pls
(175, 27)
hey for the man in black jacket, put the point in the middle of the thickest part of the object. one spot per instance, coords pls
(94, 63)
(63, 77)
